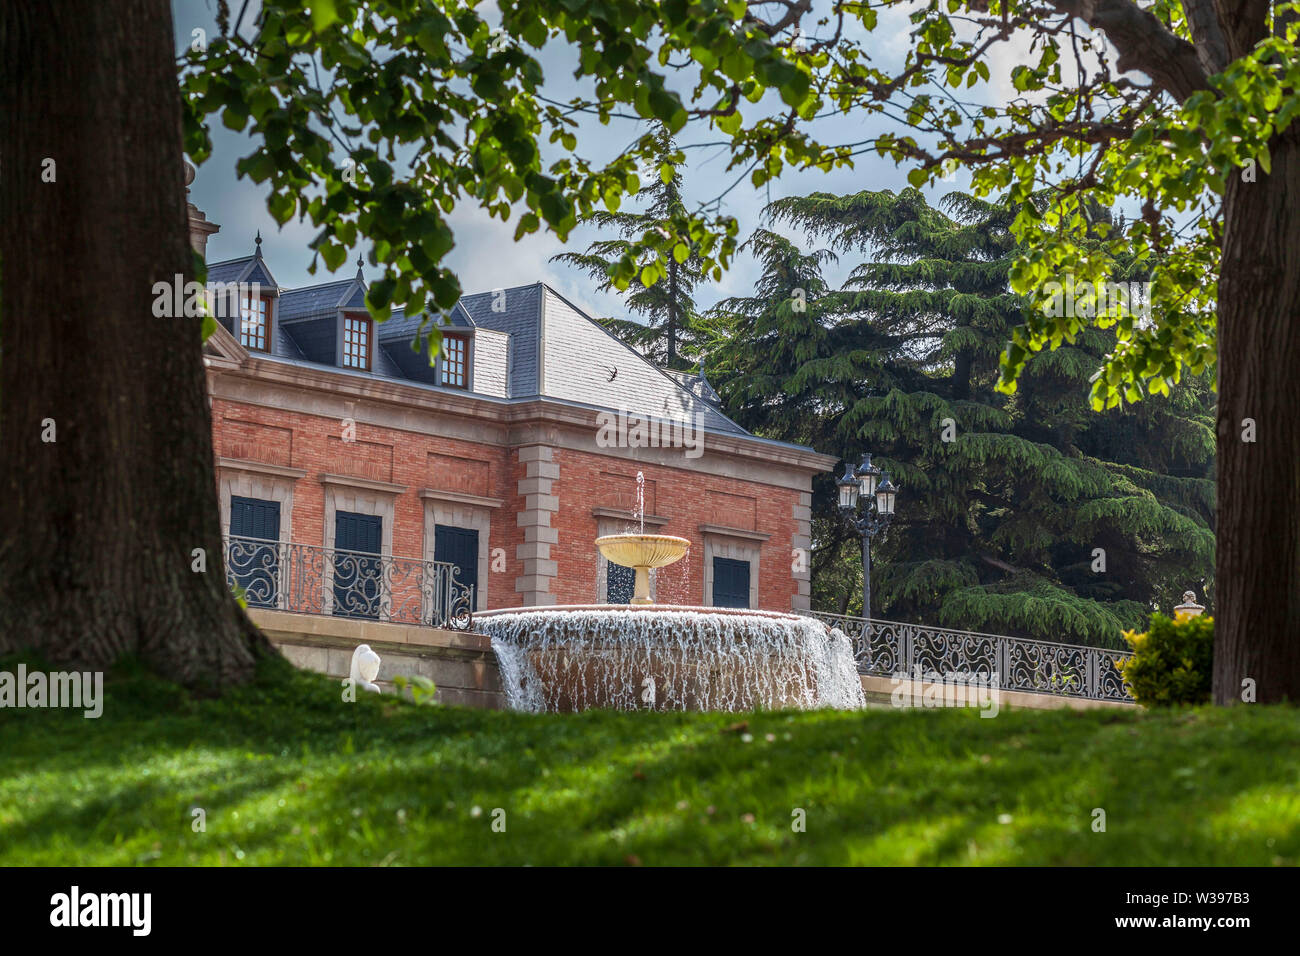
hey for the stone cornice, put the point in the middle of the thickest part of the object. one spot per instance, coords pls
(619, 514)
(369, 484)
(227, 347)
(525, 422)
(260, 468)
(723, 531)
(461, 498)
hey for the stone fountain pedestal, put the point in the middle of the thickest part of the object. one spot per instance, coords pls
(564, 659)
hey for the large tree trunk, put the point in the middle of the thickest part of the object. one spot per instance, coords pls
(99, 527)
(1257, 628)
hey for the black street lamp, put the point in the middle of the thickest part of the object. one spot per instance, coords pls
(868, 485)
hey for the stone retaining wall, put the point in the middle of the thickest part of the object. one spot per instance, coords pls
(461, 664)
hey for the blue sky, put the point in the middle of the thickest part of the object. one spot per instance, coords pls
(485, 255)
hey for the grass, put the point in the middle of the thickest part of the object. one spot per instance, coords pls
(287, 773)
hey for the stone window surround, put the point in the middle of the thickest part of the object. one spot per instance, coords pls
(737, 544)
(363, 496)
(360, 496)
(616, 521)
(255, 479)
(458, 510)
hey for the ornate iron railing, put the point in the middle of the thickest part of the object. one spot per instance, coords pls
(891, 648)
(378, 587)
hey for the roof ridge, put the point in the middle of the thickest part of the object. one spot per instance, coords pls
(319, 285)
(226, 262)
(526, 285)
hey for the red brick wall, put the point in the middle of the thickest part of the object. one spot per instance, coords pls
(383, 454)
(686, 497)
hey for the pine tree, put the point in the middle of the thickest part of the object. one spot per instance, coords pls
(668, 306)
(1026, 514)
(769, 357)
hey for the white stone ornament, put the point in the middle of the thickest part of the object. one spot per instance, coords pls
(365, 668)
(1189, 608)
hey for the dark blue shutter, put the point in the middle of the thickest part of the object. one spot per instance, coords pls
(459, 546)
(730, 583)
(358, 581)
(255, 567)
(620, 583)
(254, 518)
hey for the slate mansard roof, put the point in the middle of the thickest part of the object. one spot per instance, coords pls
(527, 342)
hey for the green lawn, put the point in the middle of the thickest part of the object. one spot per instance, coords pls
(287, 773)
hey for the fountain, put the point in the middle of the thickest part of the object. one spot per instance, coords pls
(639, 657)
(641, 552)
(644, 656)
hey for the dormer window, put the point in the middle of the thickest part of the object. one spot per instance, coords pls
(455, 364)
(356, 341)
(255, 322)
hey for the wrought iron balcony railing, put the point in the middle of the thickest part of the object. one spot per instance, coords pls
(377, 587)
(890, 648)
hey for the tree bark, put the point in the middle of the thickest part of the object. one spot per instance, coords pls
(1257, 626)
(961, 372)
(99, 527)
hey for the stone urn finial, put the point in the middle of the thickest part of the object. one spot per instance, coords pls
(1189, 608)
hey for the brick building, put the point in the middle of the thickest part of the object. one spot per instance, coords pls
(503, 461)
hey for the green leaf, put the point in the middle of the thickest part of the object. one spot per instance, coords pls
(323, 14)
(281, 207)
(729, 123)
(334, 255)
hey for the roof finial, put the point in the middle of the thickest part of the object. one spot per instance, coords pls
(258, 243)
(359, 267)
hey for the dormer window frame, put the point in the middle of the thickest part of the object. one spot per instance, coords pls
(267, 301)
(368, 341)
(465, 365)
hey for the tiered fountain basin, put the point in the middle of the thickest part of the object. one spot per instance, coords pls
(661, 657)
(643, 552)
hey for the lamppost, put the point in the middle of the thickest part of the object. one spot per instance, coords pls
(869, 485)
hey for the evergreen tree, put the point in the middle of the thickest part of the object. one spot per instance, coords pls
(1026, 514)
(668, 305)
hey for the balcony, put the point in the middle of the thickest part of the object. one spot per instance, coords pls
(303, 579)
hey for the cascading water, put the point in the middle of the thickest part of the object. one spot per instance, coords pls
(669, 658)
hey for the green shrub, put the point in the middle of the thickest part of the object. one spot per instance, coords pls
(423, 691)
(1171, 662)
